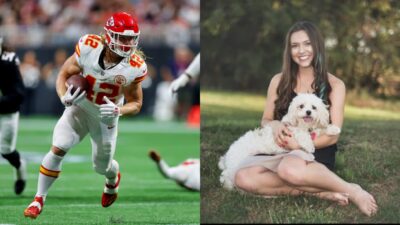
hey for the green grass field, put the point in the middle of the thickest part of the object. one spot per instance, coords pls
(145, 196)
(368, 155)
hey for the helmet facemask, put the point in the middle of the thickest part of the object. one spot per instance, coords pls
(124, 43)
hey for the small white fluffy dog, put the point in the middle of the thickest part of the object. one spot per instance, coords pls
(307, 116)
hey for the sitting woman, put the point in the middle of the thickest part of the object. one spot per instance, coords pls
(304, 71)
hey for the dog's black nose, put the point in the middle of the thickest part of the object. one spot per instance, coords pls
(308, 112)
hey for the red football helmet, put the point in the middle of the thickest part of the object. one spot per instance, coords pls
(122, 34)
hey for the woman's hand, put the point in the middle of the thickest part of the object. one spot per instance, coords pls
(281, 133)
(291, 143)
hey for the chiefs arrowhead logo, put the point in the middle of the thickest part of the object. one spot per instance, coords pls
(110, 22)
(120, 79)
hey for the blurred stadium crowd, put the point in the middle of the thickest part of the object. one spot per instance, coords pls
(56, 22)
(44, 33)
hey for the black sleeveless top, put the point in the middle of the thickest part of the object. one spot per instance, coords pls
(325, 155)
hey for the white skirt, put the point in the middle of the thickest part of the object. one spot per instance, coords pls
(272, 162)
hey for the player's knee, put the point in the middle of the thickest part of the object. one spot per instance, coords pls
(62, 144)
(5, 149)
(13, 158)
(107, 146)
(100, 169)
(58, 151)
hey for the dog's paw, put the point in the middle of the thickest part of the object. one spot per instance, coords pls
(225, 181)
(307, 146)
(309, 150)
(332, 130)
(221, 163)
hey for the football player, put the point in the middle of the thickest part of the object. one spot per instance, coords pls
(192, 71)
(186, 174)
(11, 97)
(114, 69)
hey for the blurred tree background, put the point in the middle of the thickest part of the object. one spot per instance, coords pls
(243, 42)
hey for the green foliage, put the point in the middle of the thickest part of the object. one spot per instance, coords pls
(243, 41)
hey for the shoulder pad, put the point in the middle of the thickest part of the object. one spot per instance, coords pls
(136, 61)
(87, 43)
(142, 73)
(10, 57)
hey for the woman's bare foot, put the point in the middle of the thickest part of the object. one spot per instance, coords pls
(340, 198)
(364, 200)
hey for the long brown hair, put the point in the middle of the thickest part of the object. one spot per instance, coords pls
(290, 69)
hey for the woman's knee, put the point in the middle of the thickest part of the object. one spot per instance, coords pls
(242, 180)
(291, 173)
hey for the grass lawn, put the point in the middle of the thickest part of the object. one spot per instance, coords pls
(368, 155)
(145, 196)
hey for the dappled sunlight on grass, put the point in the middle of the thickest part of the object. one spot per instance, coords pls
(238, 100)
(368, 113)
(363, 99)
(255, 103)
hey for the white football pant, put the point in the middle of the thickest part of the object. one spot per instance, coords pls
(73, 126)
(186, 173)
(8, 132)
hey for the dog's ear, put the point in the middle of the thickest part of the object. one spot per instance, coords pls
(323, 117)
(289, 119)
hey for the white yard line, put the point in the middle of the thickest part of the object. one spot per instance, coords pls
(29, 124)
(119, 205)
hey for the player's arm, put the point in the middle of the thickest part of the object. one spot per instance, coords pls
(192, 71)
(134, 98)
(132, 93)
(69, 68)
(337, 97)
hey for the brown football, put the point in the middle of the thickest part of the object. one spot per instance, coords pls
(78, 81)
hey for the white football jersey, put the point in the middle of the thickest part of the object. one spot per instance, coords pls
(105, 82)
(187, 174)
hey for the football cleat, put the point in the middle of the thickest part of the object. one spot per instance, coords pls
(19, 186)
(110, 193)
(20, 181)
(35, 208)
(154, 156)
(161, 164)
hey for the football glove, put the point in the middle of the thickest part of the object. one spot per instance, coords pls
(69, 99)
(109, 112)
(181, 81)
